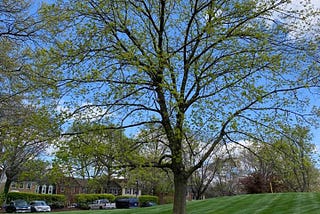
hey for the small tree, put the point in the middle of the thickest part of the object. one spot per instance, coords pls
(25, 134)
(93, 151)
(287, 164)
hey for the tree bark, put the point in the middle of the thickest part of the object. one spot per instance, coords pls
(7, 188)
(180, 185)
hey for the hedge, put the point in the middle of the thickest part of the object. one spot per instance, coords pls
(146, 198)
(55, 201)
(124, 196)
(1, 199)
(87, 198)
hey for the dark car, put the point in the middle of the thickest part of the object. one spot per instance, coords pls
(18, 206)
(148, 204)
(126, 203)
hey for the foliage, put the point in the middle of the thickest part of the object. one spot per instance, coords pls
(86, 198)
(25, 127)
(18, 21)
(92, 151)
(49, 198)
(259, 183)
(26, 132)
(210, 171)
(155, 181)
(35, 170)
(2, 198)
(226, 70)
(83, 200)
(152, 180)
(146, 198)
(19, 29)
(287, 164)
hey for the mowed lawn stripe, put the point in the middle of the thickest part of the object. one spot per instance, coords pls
(212, 205)
(278, 203)
(259, 203)
(221, 205)
(233, 204)
(307, 203)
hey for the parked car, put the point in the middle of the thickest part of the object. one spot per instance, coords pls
(18, 206)
(102, 204)
(148, 204)
(39, 206)
(127, 202)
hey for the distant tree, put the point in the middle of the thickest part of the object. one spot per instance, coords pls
(229, 69)
(203, 177)
(297, 159)
(92, 152)
(35, 170)
(287, 164)
(149, 144)
(26, 132)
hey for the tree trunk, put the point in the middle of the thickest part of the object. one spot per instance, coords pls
(180, 192)
(6, 189)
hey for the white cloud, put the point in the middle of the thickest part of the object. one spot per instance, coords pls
(307, 23)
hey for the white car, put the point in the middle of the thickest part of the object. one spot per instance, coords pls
(102, 204)
(39, 206)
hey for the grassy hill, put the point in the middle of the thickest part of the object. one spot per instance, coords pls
(284, 203)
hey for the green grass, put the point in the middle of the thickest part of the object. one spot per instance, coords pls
(282, 203)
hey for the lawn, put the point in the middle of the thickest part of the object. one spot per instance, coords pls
(282, 203)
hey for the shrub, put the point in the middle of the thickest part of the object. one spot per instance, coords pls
(168, 199)
(2, 198)
(146, 198)
(55, 201)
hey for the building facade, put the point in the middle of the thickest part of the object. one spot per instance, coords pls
(70, 187)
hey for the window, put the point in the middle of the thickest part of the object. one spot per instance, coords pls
(21, 185)
(44, 189)
(13, 184)
(29, 185)
(50, 189)
(113, 191)
(128, 191)
(37, 189)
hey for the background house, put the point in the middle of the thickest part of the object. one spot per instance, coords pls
(70, 187)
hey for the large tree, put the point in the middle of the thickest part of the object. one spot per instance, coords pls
(226, 70)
